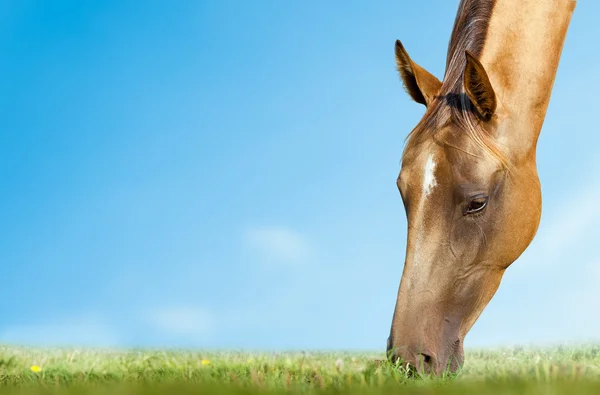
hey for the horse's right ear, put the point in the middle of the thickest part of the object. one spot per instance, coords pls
(421, 85)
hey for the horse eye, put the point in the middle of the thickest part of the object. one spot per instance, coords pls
(477, 205)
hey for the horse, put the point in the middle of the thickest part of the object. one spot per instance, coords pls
(468, 178)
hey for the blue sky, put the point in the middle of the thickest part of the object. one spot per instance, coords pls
(222, 175)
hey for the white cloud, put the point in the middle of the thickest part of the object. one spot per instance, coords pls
(85, 330)
(278, 244)
(584, 299)
(181, 321)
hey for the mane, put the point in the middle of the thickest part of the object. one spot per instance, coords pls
(452, 104)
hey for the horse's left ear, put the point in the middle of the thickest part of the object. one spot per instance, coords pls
(479, 88)
(420, 84)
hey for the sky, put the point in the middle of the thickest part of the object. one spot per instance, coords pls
(223, 175)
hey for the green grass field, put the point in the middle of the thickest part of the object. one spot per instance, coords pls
(569, 370)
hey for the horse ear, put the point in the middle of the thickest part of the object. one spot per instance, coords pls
(479, 88)
(421, 85)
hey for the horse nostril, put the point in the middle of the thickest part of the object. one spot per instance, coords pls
(426, 359)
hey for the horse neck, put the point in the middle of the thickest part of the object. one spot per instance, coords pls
(521, 53)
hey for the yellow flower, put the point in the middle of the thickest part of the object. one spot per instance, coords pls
(35, 368)
(205, 362)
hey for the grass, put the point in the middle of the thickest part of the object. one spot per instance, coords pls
(573, 370)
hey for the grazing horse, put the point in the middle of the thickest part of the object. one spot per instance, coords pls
(468, 180)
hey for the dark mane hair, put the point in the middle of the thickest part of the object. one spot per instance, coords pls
(452, 104)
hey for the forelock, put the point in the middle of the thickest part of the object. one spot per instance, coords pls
(452, 106)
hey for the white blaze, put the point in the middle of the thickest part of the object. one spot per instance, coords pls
(428, 177)
(429, 182)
